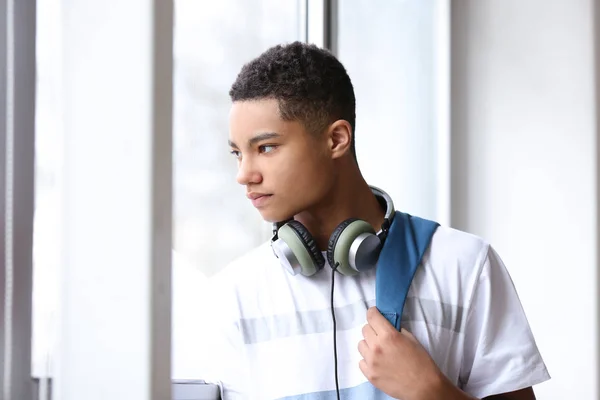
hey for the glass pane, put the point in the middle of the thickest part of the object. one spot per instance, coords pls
(46, 231)
(213, 220)
(391, 57)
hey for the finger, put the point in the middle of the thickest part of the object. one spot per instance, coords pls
(377, 321)
(369, 334)
(364, 368)
(363, 349)
(409, 335)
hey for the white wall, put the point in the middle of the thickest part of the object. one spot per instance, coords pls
(525, 167)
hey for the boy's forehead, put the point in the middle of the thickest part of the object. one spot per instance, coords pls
(254, 118)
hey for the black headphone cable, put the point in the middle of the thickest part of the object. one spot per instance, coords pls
(337, 385)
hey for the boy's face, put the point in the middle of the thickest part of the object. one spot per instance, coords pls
(285, 169)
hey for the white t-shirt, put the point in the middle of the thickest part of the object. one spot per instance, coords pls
(273, 332)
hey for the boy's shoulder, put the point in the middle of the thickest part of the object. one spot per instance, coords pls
(245, 270)
(454, 244)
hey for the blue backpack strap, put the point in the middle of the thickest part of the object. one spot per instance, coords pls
(407, 240)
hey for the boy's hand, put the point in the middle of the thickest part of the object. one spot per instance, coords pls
(396, 363)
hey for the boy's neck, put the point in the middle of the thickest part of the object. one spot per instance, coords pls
(348, 198)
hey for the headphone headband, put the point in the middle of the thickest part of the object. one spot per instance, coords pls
(389, 204)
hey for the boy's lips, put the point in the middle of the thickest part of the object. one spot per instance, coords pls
(258, 199)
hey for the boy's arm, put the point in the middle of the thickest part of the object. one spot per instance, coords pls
(500, 354)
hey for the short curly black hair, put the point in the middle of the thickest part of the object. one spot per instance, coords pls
(310, 84)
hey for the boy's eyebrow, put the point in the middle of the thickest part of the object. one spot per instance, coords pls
(258, 138)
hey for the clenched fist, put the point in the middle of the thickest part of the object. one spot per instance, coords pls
(396, 363)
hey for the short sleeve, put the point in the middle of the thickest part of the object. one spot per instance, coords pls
(500, 353)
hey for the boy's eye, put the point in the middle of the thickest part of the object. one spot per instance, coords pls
(236, 153)
(266, 148)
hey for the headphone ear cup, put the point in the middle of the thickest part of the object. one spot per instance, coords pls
(342, 240)
(303, 246)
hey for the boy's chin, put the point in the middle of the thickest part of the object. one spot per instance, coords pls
(273, 217)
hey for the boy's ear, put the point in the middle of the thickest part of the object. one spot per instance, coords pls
(340, 138)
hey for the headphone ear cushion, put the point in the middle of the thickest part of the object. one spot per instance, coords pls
(340, 243)
(333, 239)
(309, 243)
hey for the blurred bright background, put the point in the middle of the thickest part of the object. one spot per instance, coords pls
(481, 114)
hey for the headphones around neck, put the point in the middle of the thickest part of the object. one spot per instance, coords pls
(353, 246)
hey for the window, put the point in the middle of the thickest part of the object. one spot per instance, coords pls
(213, 221)
(398, 64)
(397, 84)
